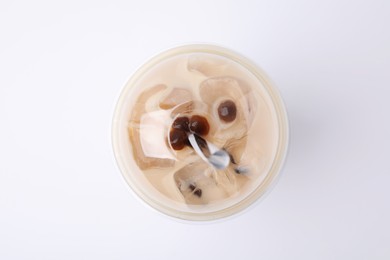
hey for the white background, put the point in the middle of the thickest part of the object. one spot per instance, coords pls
(63, 65)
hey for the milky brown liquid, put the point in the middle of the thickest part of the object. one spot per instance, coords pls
(196, 84)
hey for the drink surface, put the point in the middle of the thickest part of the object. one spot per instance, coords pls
(200, 133)
(219, 100)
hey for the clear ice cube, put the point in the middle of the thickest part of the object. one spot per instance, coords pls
(213, 92)
(205, 65)
(200, 183)
(196, 183)
(145, 160)
(176, 97)
(153, 133)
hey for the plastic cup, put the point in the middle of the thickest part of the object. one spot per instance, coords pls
(142, 187)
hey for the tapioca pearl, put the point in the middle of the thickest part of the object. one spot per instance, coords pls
(181, 123)
(227, 111)
(199, 125)
(178, 139)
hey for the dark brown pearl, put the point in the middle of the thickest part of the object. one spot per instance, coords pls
(227, 111)
(181, 123)
(199, 125)
(196, 191)
(178, 139)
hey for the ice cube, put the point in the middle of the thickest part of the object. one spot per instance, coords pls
(215, 91)
(176, 97)
(250, 103)
(143, 160)
(197, 185)
(200, 183)
(153, 134)
(183, 108)
(205, 65)
(139, 107)
(215, 88)
(189, 108)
